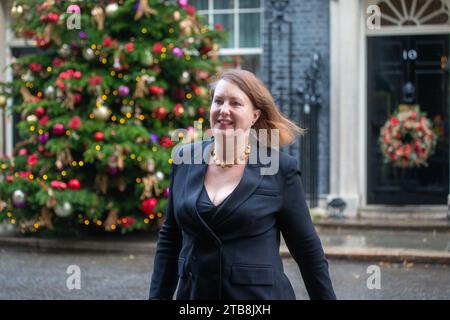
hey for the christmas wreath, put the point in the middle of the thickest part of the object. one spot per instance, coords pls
(407, 139)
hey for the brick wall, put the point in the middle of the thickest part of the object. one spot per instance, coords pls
(310, 34)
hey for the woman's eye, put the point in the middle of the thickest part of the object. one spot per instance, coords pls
(218, 101)
(235, 103)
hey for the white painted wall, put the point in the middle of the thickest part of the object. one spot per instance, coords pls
(347, 88)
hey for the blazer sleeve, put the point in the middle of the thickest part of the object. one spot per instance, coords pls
(165, 268)
(301, 237)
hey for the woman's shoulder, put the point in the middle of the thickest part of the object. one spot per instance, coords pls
(189, 153)
(288, 163)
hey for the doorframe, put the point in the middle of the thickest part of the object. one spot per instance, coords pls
(348, 102)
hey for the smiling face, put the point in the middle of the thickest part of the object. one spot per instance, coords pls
(231, 108)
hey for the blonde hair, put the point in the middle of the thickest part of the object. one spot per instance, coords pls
(259, 95)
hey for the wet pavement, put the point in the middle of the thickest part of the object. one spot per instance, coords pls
(419, 240)
(26, 274)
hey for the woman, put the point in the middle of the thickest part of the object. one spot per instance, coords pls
(221, 236)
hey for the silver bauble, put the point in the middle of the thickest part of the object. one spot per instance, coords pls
(64, 51)
(147, 59)
(59, 94)
(50, 92)
(62, 19)
(18, 199)
(185, 77)
(126, 109)
(32, 118)
(111, 9)
(64, 210)
(88, 54)
(160, 175)
(191, 111)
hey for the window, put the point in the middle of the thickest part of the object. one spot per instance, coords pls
(242, 19)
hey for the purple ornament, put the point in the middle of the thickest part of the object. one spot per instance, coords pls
(112, 170)
(58, 129)
(178, 52)
(166, 192)
(82, 35)
(154, 137)
(136, 6)
(43, 138)
(124, 91)
(183, 3)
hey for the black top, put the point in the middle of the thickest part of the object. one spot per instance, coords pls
(205, 207)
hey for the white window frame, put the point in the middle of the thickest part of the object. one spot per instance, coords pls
(236, 50)
(10, 42)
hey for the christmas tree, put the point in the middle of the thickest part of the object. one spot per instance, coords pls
(98, 105)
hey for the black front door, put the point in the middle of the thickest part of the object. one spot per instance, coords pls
(393, 62)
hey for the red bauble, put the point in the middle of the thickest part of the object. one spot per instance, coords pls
(201, 111)
(129, 46)
(166, 142)
(58, 129)
(205, 49)
(43, 121)
(178, 94)
(107, 41)
(74, 184)
(148, 205)
(160, 113)
(99, 136)
(75, 123)
(157, 47)
(156, 91)
(178, 109)
(58, 185)
(190, 10)
(41, 148)
(28, 34)
(35, 67)
(39, 112)
(127, 221)
(77, 98)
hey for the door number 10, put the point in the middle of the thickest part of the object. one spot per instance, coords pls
(409, 54)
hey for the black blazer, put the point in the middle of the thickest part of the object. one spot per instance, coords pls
(236, 255)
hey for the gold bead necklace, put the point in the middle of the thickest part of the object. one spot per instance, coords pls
(223, 164)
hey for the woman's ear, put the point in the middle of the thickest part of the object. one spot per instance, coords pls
(256, 115)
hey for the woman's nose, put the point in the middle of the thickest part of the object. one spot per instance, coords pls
(224, 109)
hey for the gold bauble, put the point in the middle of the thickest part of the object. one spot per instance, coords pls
(102, 113)
(3, 101)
